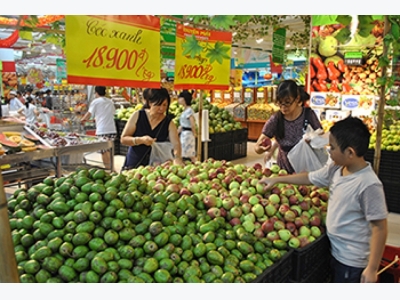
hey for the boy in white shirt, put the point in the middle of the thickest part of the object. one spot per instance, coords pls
(357, 212)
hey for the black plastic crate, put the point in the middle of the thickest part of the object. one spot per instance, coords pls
(239, 150)
(240, 135)
(223, 152)
(307, 261)
(392, 195)
(279, 272)
(120, 125)
(223, 138)
(117, 145)
(123, 150)
(322, 273)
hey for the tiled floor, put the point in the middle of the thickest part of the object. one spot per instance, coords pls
(252, 158)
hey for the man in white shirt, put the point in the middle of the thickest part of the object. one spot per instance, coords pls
(102, 110)
(15, 104)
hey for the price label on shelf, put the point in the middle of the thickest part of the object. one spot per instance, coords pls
(113, 50)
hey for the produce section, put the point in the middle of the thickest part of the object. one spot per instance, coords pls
(207, 222)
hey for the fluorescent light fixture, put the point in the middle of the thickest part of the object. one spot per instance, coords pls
(259, 41)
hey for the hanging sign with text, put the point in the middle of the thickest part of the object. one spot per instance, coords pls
(203, 59)
(113, 50)
(278, 47)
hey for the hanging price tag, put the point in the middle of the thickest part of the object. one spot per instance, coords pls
(113, 50)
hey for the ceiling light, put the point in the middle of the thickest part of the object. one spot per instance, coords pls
(259, 41)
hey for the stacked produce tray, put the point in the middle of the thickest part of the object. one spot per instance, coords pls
(389, 174)
(311, 264)
(119, 149)
(279, 272)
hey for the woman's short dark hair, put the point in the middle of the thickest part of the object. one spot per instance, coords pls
(187, 96)
(157, 97)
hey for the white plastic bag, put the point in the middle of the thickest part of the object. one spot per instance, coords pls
(309, 156)
(160, 153)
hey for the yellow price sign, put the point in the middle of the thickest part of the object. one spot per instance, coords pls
(113, 50)
(202, 59)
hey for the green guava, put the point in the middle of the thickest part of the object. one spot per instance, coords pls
(328, 46)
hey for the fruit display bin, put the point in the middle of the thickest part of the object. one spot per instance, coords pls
(389, 174)
(279, 272)
(311, 264)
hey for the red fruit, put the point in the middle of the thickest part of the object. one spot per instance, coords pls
(266, 142)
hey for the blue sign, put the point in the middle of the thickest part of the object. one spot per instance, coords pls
(350, 102)
(318, 100)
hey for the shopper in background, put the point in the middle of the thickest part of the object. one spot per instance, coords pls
(30, 111)
(15, 103)
(20, 97)
(148, 125)
(357, 213)
(102, 110)
(187, 128)
(287, 126)
(48, 100)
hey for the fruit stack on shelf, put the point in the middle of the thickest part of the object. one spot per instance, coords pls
(260, 110)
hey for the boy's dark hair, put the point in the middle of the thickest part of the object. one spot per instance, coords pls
(48, 92)
(351, 132)
(288, 91)
(157, 97)
(187, 96)
(100, 90)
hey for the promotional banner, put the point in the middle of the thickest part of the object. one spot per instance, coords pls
(61, 70)
(279, 44)
(113, 50)
(203, 59)
(168, 37)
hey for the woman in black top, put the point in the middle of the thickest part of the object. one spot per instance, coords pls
(150, 124)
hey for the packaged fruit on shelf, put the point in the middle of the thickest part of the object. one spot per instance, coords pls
(237, 99)
(221, 98)
(240, 111)
(259, 111)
